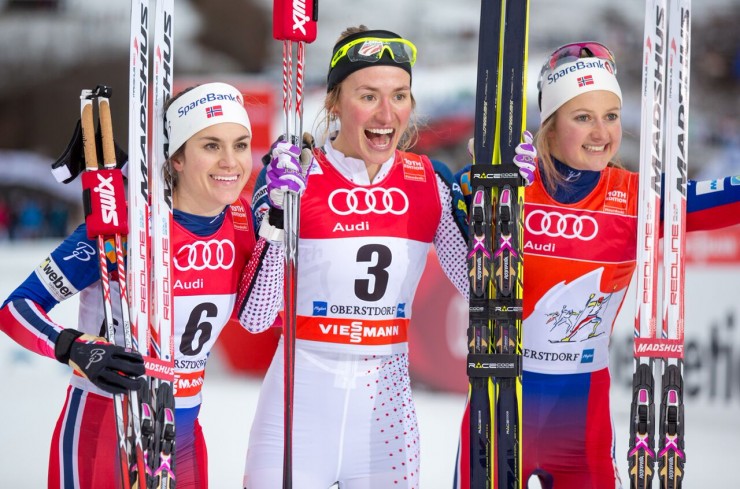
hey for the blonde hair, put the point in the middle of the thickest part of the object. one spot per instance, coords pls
(410, 135)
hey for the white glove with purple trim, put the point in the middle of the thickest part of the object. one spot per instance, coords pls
(284, 173)
(526, 156)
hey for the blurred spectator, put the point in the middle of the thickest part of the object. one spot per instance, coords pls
(31, 214)
(30, 223)
(724, 141)
(56, 219)
(5, 220)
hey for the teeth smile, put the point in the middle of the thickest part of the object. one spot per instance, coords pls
(380, 131)
(224, 178)
(594, 148)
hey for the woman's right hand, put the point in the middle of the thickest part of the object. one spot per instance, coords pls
(110, 367)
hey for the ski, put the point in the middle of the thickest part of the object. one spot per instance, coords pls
(139, 247)
(162, 342)
(150, 205)
(294, 22)
(495, 262)
(641, 453)
(671, 457)
(662, 162)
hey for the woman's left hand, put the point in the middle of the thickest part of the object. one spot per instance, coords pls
(284, 173)
(526, 156)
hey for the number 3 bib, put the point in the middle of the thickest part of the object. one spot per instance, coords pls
(361, 254)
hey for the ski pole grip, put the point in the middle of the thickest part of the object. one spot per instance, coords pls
(295, 20)
(103, 192)
(104, 200)
(88, 133)
(106, 133)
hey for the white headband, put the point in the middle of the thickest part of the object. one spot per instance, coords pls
(201, 107)
(569, 80)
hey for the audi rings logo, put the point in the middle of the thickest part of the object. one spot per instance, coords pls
(555, 224)
(368, 200)
(206, 255)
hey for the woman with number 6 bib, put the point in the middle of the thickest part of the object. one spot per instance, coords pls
(216, 264)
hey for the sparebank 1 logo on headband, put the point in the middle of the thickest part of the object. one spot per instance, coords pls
(207, 99)
(584, 64)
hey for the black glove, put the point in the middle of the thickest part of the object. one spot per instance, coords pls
(110, 367)
(72, 161)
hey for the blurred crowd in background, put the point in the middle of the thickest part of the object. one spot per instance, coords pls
(53, 48)
(24, 215)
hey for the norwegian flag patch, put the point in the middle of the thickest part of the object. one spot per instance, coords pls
(585, 80)
(214, 111)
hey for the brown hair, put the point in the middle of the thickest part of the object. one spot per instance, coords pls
(167, 170)
(409, 137)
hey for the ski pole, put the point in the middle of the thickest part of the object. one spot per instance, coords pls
(106, 216)
(293, 21)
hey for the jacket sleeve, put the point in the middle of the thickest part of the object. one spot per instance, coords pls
(712, 204)
(69, 268)
(260, 204)
(260, 294)
(451, 238)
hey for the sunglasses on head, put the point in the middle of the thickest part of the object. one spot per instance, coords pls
(371, 49)
(577, 50)
(574, 51)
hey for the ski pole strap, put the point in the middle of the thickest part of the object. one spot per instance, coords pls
(490, 176)
(295, 20)
(104, 200)
(103, 192)
(500, 365)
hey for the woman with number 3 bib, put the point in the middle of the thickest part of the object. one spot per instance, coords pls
(369, 216)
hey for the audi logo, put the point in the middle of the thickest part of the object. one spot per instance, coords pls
(201, 255)
(368, 200)
(556, 224)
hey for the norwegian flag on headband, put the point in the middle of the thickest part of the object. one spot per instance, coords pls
(585, 80)
(214, 111)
